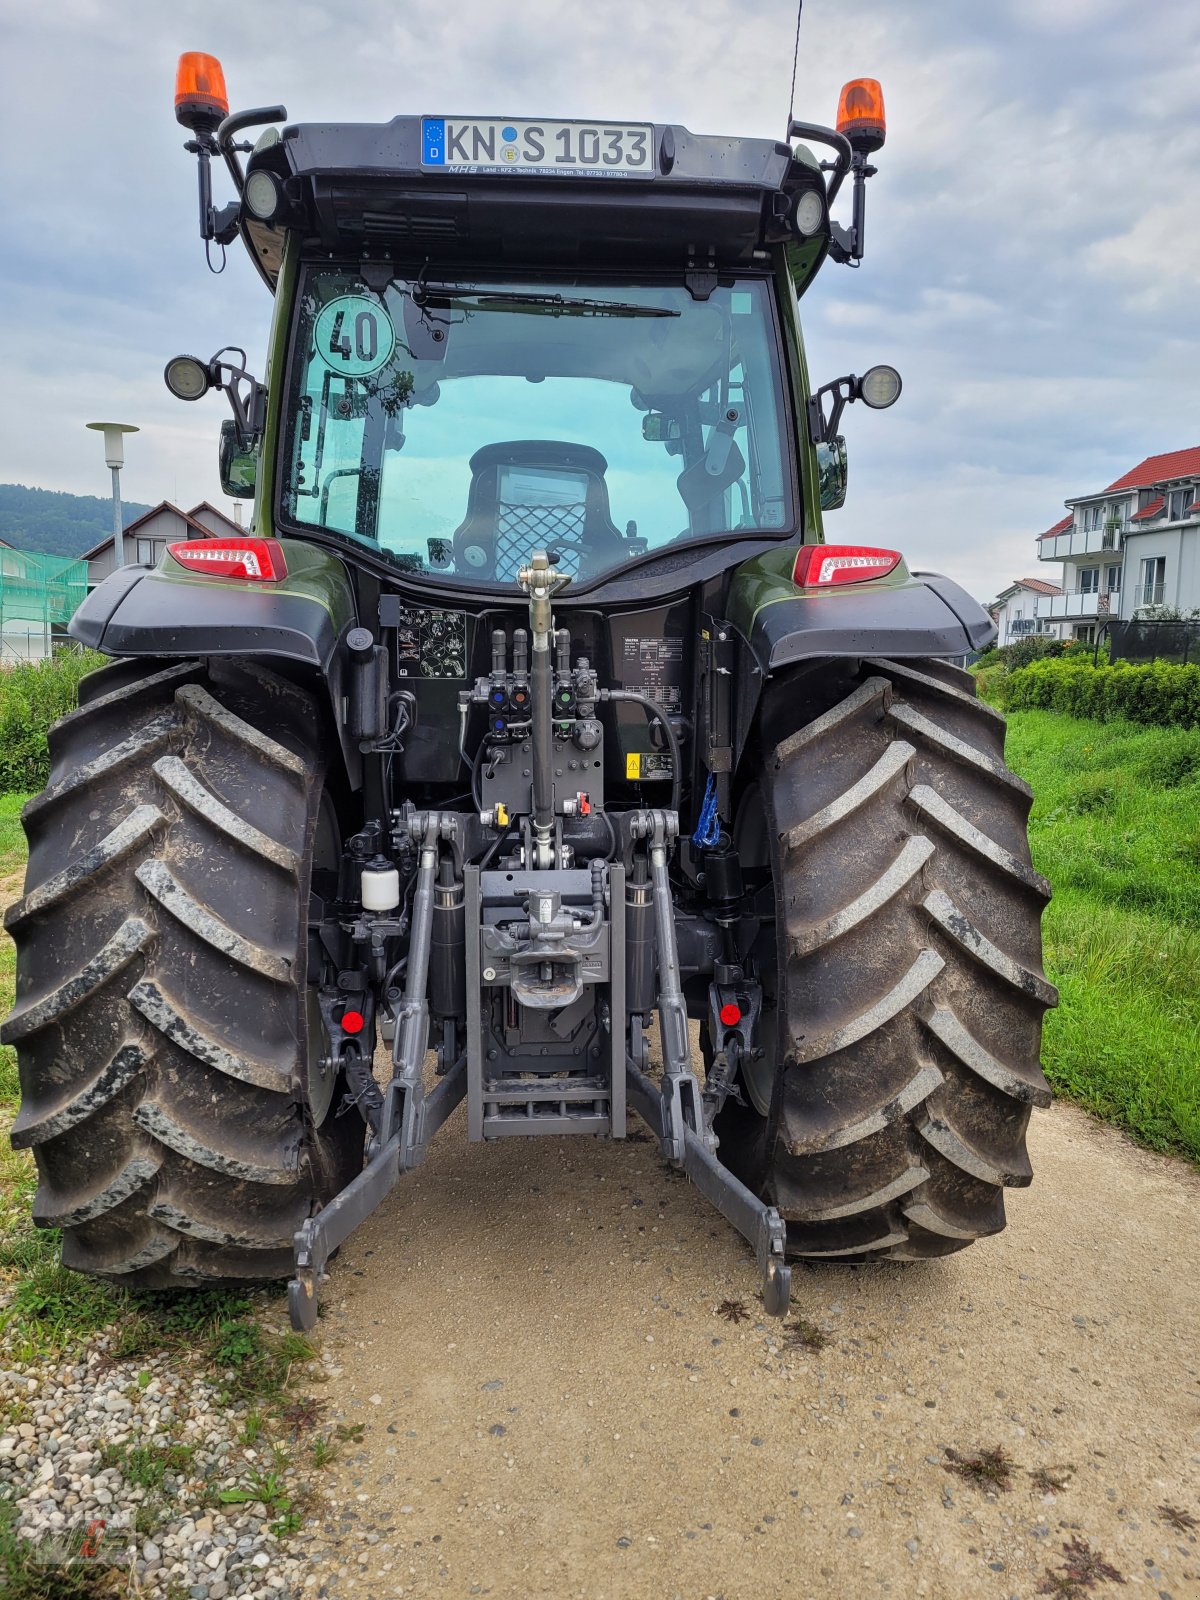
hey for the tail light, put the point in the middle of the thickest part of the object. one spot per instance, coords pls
(258, 560)
(820, 566)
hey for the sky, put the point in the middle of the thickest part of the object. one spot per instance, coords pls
(1032, 236)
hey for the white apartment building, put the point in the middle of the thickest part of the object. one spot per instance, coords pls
(1133, 545)
(1013, 611)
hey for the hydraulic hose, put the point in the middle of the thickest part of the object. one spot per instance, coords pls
(497, 844)
(668, 729)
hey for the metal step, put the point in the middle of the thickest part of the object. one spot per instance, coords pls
(540, 1106)
(516, 1091)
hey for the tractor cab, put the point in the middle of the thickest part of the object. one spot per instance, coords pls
(450, 286)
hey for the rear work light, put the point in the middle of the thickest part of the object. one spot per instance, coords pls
(259, 560)
(820, 566)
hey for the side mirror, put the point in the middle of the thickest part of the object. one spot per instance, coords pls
(238, 463)
(832, 473)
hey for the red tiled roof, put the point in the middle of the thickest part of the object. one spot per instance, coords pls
(1160, 469)
(1149, 511)
(1059, 527)
(1039, 585)
(1036, 585)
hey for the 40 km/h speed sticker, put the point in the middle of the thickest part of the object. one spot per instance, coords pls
(354, 336)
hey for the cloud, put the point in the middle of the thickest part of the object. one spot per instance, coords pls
(1030, 253)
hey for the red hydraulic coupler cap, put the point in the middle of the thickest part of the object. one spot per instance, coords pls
(354, 1021)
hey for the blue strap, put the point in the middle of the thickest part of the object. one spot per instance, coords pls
(708, 829)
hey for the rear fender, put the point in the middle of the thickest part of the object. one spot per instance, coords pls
(778, 625)
(170, 613)
(904, 614)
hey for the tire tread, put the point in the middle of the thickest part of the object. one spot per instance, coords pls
(910, 986)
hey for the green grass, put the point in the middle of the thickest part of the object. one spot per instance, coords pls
(1116, 828)
(146, 1466)
(52, 1310)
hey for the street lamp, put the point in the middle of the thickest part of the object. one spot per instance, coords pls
(114, 457)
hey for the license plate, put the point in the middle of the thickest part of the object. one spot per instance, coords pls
(555, 149)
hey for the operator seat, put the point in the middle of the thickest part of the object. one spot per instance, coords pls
(536, 494)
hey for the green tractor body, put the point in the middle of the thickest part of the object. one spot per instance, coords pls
(533, 706)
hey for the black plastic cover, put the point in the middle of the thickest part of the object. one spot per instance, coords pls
(711, 199)
(930, 616)
(131, 614)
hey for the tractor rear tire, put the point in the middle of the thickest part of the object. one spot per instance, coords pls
(900, 954)
(169, 1044)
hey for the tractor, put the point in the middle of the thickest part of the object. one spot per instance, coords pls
(533, 747)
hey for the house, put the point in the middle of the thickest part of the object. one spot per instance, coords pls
(216, 521)
(146, 538)
(1013, 610)
(1133, 545)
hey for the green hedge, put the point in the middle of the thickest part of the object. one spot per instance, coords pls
(34, 694)
(1034, 647)
(1160, 693)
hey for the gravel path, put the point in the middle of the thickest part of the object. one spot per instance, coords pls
(554, 1407)
(67, 1434)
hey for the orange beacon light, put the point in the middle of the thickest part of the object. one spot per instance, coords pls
(201, 102)
(860, 116)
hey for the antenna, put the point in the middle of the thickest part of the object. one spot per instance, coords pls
(795, 61)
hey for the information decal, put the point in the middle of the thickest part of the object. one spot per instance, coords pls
(653, 666)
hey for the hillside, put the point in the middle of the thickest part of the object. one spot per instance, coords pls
(60, 523)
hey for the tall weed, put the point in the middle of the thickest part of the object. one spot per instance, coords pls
(33, 695)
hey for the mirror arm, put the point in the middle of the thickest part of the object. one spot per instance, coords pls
(249, 407)
(247, 397)
(822, 429)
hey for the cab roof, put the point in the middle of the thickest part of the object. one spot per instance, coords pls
(708, 204)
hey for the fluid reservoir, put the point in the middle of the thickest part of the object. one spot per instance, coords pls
(380, 885)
